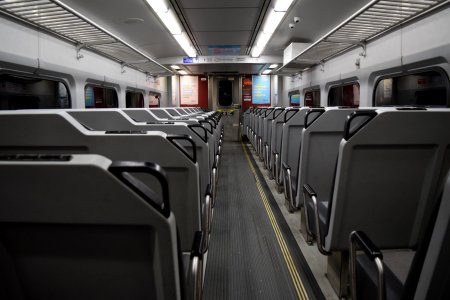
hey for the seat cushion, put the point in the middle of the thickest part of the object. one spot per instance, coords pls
(396, 265)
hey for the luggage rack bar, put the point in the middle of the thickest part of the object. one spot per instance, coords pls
(374, 19)
(63, 21)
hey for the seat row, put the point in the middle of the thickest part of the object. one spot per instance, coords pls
(120, 194)
(376, 171)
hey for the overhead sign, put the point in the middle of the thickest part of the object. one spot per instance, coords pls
(188, 90)
(224, 49)
(261, 89)
(188, 60)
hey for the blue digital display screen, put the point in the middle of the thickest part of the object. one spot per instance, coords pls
(261, 89)
(295, 99)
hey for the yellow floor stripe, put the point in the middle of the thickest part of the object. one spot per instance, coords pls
(299, 288)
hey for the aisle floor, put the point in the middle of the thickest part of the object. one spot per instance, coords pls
(252, 253)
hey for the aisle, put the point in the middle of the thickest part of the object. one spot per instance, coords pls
(252, 253)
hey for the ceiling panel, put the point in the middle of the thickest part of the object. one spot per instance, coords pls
(205, 50)
(222, 38)
(219, 3)
(149, 36)
(225, 68)
(224, 19)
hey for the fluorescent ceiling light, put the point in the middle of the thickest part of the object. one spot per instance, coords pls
(159, 6)
(182, 72)
(263, 38)
(185, 43)
(256, 51)
(281, 5)
(175, 67)
(267, 71)
(273, 66)
(171, 22)
(272, 21)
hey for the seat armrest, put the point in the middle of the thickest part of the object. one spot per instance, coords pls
(359, 240)
(310, 195)
(195, 275)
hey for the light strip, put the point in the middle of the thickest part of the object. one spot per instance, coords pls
(172, 23)
(271, 23)
(267, 71)
(184, 42)
(182, 72)
(282, 5)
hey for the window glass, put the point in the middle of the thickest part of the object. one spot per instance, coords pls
(312, 98)
(153, 100)
(100, 97)
(134, 99)
(344, 95)
(421, 89)
(22, 92)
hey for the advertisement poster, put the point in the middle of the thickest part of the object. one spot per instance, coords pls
(247, 88)
(188, 90)
(261, 89)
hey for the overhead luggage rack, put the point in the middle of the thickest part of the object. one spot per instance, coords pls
(369, 22)
(58, 18)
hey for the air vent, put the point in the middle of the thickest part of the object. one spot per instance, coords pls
(61, 20)
(374, 19)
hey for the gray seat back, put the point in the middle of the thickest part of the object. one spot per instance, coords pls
(117, 120)
(276, 136)
(147, 115)
(387, 175)
(319, 152)
(434, 280)
(71, 229)
(58, 132)
(292, 138)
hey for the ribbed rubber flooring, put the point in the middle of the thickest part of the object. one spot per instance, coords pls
(244, 258)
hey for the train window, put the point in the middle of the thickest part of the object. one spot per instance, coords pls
(312, 98)
(344, 95)
(100, 97)
(428, 88)
(134, 99)
(294, 98)
(22, 92)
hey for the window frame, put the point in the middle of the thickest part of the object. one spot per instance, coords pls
(103, 86)
(437, 69)
(42, 77)
(295, 92)
(132, 90)
(342, 84)
(312, 89)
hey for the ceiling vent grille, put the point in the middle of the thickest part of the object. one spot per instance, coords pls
(374, 19)
(59, 19)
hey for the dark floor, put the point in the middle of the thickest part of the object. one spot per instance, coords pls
(244, 259)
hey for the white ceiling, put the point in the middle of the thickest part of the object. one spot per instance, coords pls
(214, 22)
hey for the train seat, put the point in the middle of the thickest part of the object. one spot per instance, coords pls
(262, 135)
(290, 150)
(58, 132)
(390, 164)
(420, 274)
(268, 134)
(275, 147)
(117, 120)
(318, 156)
(83, 227)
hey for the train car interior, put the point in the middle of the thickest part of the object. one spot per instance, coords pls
(226, 149)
